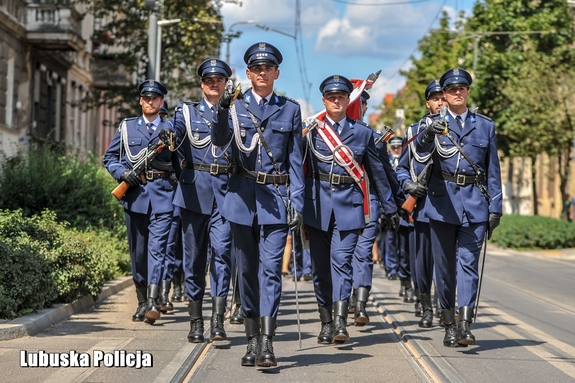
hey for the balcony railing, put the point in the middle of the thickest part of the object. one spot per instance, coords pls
(54, 25)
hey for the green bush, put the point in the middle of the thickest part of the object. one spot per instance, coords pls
(534, 232)
(76, 189)
(44, 262)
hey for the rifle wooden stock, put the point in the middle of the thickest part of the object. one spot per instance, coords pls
(409, 205)
(120, 191)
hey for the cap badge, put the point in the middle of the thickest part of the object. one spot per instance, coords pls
(151, 82)
(213, 62)
(456, 71)
(336, 78)
(262, 46)
(436, 82)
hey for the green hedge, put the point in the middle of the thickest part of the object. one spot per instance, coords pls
(77, 188)
(45, 262)
(534, 232)
(62, 234)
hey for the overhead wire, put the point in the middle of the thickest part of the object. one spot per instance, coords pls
(417, 47)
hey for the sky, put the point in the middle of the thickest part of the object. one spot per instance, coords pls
(352, 38)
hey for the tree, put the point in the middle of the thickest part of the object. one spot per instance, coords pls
(437, 55)
(523, 75)
(124, 41)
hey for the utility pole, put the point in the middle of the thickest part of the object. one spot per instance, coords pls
(152, 5)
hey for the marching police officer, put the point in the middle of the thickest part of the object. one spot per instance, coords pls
(147, 205)
(464, 201)
(200, 197)
(265, 193)
(362, 261)
(412, 172)
(402, 238)
(334, 202)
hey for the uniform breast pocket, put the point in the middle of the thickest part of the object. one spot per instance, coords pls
(480, 148)
(280, 131)
(200, 130)
(134, 142)
(357, 152)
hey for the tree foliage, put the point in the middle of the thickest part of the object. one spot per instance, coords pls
(438, 54)
(123, 41)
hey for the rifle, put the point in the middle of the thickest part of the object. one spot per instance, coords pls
(388, 132)
(422, 179)
(154, 150)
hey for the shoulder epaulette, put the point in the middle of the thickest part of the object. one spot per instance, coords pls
(362, 123)
(484, 117)
(289, 99)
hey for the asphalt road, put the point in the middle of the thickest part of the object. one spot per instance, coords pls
(524, 333)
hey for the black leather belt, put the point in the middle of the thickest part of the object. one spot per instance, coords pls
(264, 178)
(154, 175)
(460, 179)
(334, 179)
(211, 168)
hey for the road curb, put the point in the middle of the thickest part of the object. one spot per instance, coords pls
(34, 323)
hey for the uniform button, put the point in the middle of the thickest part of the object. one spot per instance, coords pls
(332, 189)
(463, 171)
(282, 129)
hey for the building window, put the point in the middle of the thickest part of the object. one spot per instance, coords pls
(10, 92)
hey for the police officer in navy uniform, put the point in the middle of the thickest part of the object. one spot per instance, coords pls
(402, 237)
(362, 261)
(334, 206)
(147, 206)
(464, 201)
(410, 168)
(200, 197)
(265, 193)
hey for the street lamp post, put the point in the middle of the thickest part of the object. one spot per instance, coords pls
(158, 57)
(229, 37)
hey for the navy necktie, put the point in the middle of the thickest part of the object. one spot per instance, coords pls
(263, 105)
(150, 128)
(336, 128)
(459, 122)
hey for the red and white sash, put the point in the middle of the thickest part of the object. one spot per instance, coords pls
(344, 157)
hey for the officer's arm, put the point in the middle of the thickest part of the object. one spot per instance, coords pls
(295, 158)
(111, 159)
(222, 128)
(378, 176)
(424, 143)
(494, 174)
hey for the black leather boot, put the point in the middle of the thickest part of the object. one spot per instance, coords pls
(409, 294)
(402, 287)
(196, 334)
(177, 280)
(252, 326)
(164, 300)
(153, 312)
(142, 294)
(450, 338)
(417, 306)
(326, 333)
(361, 317)
(265, 349)
(340, 322)
(426, 320)
(465, 336)
(236, 317)
(217, 331)
(352, 300)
